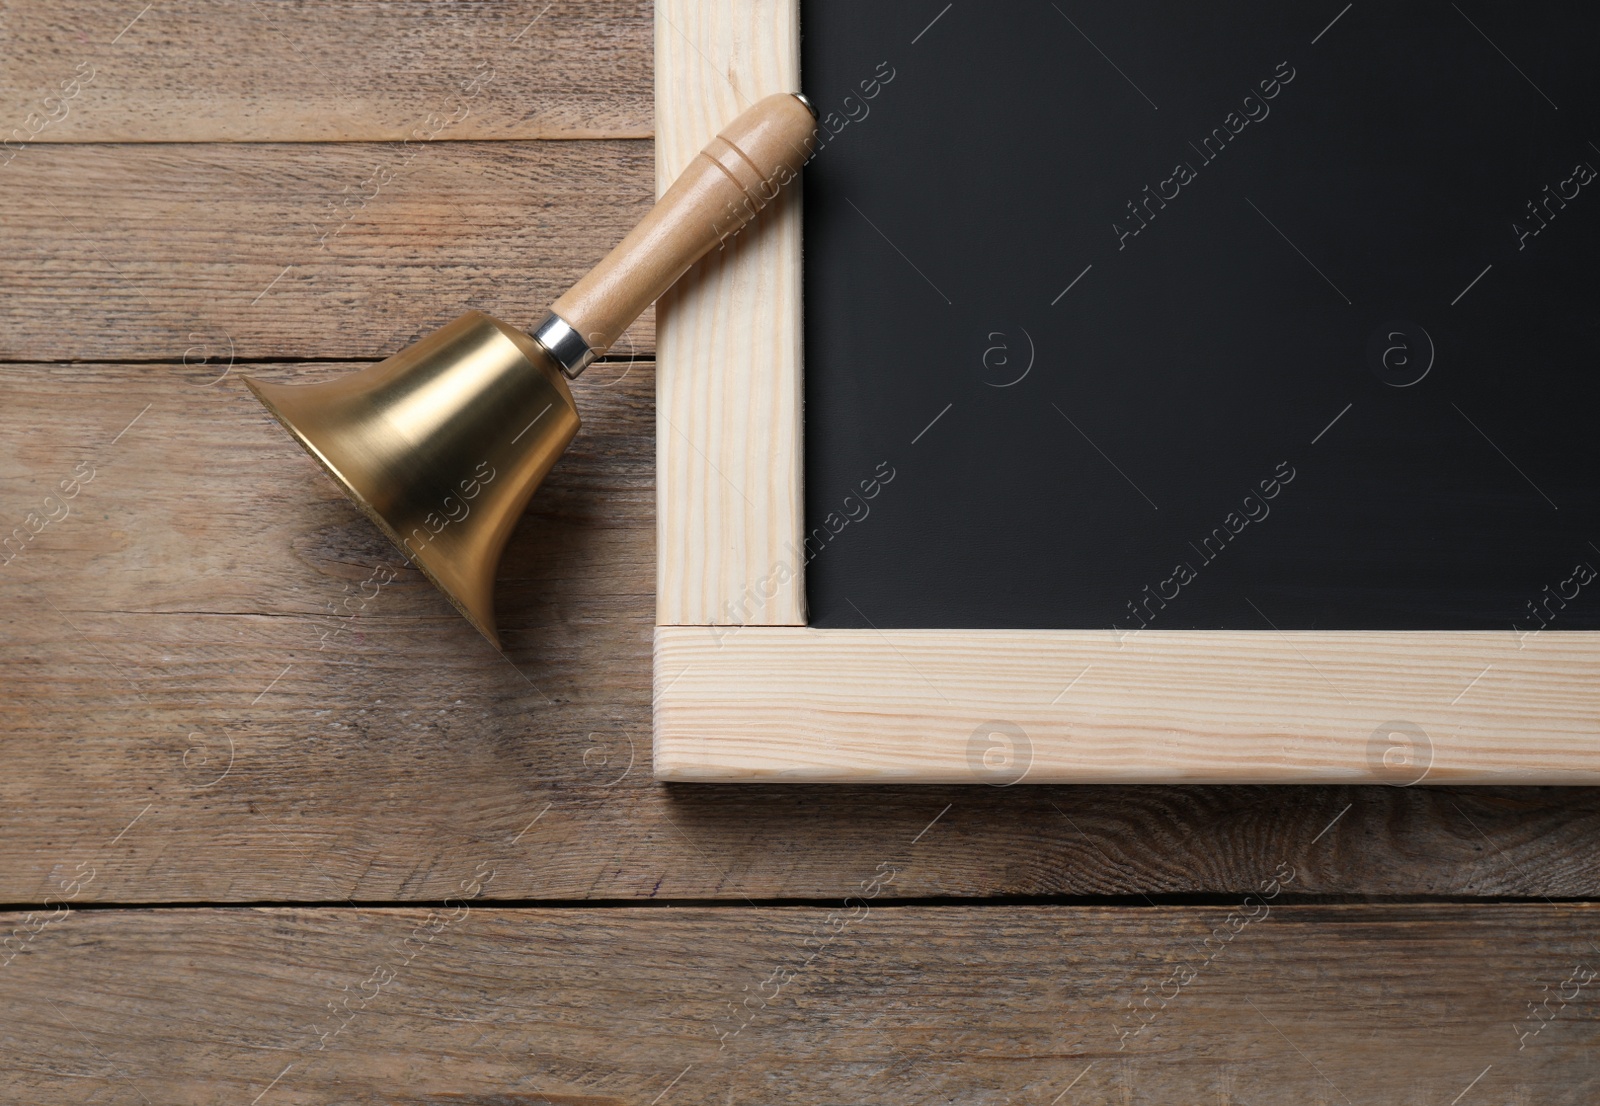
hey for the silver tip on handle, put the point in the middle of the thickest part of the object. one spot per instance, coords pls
(564, 345)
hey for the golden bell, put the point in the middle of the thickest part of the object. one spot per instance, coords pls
(442, 444)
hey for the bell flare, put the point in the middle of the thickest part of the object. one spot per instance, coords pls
(441, 446)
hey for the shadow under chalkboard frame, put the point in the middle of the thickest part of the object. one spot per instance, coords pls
(745, 691)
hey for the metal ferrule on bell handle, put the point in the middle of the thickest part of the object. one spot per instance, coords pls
(564, 345)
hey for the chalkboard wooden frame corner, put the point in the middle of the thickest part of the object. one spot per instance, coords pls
(745, 691)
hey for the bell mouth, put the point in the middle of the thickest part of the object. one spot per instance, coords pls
(264, 393)
(441, 446)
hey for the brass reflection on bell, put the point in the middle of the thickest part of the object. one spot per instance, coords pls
(441, 445)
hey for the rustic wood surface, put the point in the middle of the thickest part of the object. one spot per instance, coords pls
(328, 70)
(197, 708)
(149, 250)
(1411, 1004)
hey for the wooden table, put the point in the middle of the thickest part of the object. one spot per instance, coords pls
(267, 837)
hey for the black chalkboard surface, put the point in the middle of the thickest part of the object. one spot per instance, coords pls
(1221, 316)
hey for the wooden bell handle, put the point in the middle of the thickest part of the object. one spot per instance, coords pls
(725, 186)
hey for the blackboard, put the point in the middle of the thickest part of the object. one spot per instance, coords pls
(1225, 316)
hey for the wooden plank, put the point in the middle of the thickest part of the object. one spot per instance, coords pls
(779, 704)
(167, 252)
(728, 424)
(205, 597)
(338, 71)
(862, 1002)
(182, 610)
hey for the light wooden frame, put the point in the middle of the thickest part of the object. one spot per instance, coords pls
(745, 691)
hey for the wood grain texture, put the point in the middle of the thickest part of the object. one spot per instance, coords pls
(345, 70)
(858, 1003)
(728, 425)
(176, 252)
(191, 612)
(778, 704)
